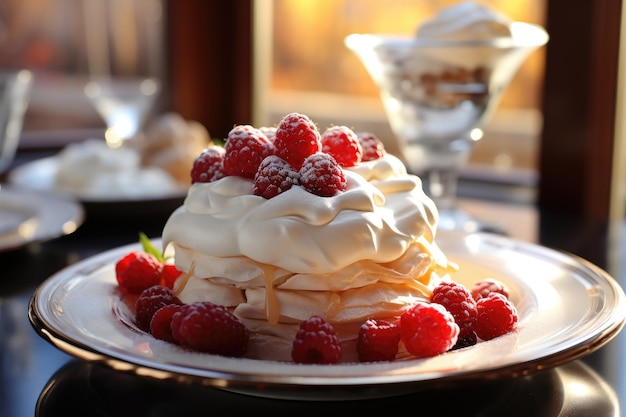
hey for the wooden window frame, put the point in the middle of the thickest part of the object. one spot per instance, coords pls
(576, 156)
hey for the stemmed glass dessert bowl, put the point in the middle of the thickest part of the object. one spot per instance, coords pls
(124, 44)
(123, 104)
(15, 89)
(438, 95)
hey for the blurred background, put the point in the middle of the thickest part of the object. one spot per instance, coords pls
(254, 61)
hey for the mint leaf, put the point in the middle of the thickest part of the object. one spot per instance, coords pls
(148, 247)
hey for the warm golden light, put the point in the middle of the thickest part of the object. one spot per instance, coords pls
(309, 52)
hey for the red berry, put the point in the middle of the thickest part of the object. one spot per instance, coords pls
(321, 175)
(496, 316)
(466, 338)
(274, 176)
(316, 343)
(484, 288)
(149, 301)
(378, 341)
(457, 299)
(428, 330)
(269, 132)
(169, 275)
(296, 138)
(343, 144)
(210, 328)
(137, 271)
(208, 166)
(245, 148)
(160, 325)
(372, 147)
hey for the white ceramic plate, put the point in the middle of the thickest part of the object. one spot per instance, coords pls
(27, 216)
(39, 175)
(568, 308)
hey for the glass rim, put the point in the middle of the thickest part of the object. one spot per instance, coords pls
(522, 35)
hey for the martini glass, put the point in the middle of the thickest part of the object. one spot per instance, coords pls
(438, 95)
(15, 88)
(123, 41)
(123, 104)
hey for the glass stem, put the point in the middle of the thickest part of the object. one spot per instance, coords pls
(442, 187)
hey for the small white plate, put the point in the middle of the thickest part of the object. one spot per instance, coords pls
(40, 175)
(27, 216)
(568, 308)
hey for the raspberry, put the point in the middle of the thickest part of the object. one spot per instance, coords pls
(137, 271)
(160, 325)
(149, 301)
(466, 338)
(343, 145)
(377, 341)
(208, 166)
(296, 138)
(372, 147)
(496, 316)
(274, 176)
(269, 132)
(321, 175)
(428, 330)
(457, 299)
(210, 328)
(316, 343)
(245, 148)
(169, 275)
(483, 288)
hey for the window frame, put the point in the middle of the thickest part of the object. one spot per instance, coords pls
(578, 141)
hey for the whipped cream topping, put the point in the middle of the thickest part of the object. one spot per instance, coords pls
(383, 211)
(368, 252)
(465, 21)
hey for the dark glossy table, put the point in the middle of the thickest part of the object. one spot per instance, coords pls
(38, 379)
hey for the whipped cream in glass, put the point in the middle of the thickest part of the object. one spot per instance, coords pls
(465, 21)
(440, 85)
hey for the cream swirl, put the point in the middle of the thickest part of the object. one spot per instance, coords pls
(465, 21)
(380, 215)
(368, 252)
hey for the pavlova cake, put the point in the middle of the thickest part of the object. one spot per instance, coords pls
(300, 226)
(316, 247)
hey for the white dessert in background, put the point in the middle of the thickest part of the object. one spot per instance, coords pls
(465, 21)
(172, 143)
(154, 163)
(90, 169)
(368, 252)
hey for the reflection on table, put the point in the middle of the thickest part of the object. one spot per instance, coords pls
(84, 389)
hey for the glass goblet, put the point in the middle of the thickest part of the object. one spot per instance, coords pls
(123, 50)
(123, 103)
(437, 96)
(15, 89)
